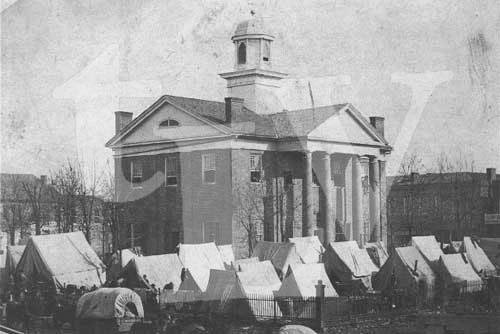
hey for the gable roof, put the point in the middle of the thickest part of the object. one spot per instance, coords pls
(259, 278)
(284, 124)
(354, 258)
(237, 263)
(301, 281)
(401, 264)
(159, 270)
(457, 270)
(281, 254)
(491, 247)
(199, 259)
(428, 246)
(227, 255)
(310, 249)
(377, 252)
(477, 258)
(65, 258)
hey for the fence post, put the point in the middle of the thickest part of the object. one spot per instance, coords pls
(320, 297)
(274, 308)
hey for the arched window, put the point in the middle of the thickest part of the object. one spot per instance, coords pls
(242, 53)
(267, 51)
(169, 122)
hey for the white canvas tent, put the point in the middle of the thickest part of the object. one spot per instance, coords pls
(454, 270)
(309, 249)
(491, 247)
(227, 255)
(377, 253)
(281, 254)
(227, 293)
(65, 258)
(198, 259)
(237, 263)
(14, 254)
(477, 258)
(159, 270)
(258, 285)
(128, 254)
(429, 247)
(300, 282)
(406, 269)
(346, 262)
(259, 278)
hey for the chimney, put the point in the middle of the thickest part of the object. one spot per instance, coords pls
(491, 175)
(378, 123)
(122, 118)
(234, 106)
(43, 179)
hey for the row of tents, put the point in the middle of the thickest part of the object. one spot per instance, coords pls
(274, 269)
(424, 265)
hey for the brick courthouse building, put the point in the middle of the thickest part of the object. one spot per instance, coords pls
(191, 171)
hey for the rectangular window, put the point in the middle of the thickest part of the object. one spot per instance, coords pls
(211, 232)
(171, 171)
(255, 167)
(259, 231)
(208, 168)
(136, 173)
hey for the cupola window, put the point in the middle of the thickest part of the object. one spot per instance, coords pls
(266, 56)
(169, 123)
(242, 53)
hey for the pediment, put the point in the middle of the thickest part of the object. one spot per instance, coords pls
(167, 122)
(346, 127)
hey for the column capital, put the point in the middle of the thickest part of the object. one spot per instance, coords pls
(363, 158)
(326, 155)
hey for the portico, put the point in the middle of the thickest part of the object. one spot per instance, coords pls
(347, 183)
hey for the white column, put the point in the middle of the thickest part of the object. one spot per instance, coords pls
(327, 185)
(374, 199)
(309, 224)
(357, 200)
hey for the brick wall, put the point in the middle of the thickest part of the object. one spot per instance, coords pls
(154, 209)
(445, 209)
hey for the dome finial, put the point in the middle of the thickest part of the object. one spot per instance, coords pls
(252, 12)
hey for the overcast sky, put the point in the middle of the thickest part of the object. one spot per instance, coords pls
(431, 68)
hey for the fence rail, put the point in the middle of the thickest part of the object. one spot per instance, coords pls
(324, 311)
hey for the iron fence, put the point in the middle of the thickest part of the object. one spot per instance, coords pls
(323, 311)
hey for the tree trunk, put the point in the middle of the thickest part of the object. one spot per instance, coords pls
(12, 235)
(38, 226)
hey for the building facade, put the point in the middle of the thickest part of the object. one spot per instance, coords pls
(242, 170)
(447, 205)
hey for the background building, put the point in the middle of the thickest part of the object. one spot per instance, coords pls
(448, 205)
(190, 170)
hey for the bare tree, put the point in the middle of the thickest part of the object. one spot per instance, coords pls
(88, 182)
(110, 206)
(459, 195)
(67, 185)
(250, 213)
(261, 204)
(38, 202)
(414, 192)
(15, 207)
